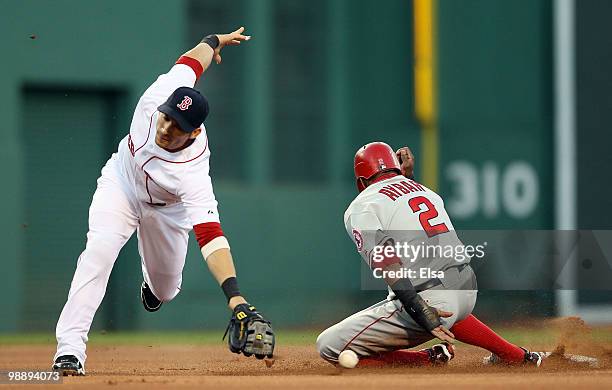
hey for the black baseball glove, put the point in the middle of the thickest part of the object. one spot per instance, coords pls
(249, 333)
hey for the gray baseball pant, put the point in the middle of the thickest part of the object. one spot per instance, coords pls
(386, 326)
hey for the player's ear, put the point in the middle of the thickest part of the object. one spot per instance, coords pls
(195, 133)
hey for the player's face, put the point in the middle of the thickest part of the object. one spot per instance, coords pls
(169, 135)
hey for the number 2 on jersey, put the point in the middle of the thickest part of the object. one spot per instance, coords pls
(426, 215)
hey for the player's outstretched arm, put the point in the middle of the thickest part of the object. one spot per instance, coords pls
(211, 46)
(423, 314)
(221, 265)
(249, 332)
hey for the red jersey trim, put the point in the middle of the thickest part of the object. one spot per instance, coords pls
(156, 183)
(193, 64)
(385, 262)
(148, 135)
(147, 187)
(177, 162)
(370, 325)
(206, 232)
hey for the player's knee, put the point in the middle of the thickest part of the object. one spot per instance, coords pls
(327, 345)
(164, 286)
(166, 295)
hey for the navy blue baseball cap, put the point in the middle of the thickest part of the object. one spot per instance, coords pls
(187, 107)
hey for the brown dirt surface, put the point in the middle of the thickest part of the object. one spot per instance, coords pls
(295, 367)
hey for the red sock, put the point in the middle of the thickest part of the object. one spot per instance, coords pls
(471, 331)
(412, 358)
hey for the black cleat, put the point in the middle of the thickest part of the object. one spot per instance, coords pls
(149, 300)
(68, 365)
(530, 358)
(440, 354)
(533, 358)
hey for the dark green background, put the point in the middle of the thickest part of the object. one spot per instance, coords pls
(288, 110)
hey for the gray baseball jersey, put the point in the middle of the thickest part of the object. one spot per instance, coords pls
(411, 217)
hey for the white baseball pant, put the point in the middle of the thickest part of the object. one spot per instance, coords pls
(114, 214)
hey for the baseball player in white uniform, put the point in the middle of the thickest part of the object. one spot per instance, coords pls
(158, 184)
(431, 295)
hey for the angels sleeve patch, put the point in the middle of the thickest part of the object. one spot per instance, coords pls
(358, 238)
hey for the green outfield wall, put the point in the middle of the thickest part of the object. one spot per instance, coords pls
(288, 110)
(496, 126)
(71, 72)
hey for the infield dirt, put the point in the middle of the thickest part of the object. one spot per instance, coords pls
(295, 367)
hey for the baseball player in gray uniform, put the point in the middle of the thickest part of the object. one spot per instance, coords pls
(431, 294)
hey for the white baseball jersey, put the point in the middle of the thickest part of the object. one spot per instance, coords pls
(160, 195)
(409, 213)
(161, 178)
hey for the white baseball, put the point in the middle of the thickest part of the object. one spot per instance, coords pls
(348, 359)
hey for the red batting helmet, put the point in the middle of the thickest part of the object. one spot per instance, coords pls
(373, 158)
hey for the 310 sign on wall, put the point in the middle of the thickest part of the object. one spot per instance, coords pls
(491, 189)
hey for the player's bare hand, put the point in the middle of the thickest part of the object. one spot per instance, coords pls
(231, 39)
(406, 159)
(444, 313)
(443, 334)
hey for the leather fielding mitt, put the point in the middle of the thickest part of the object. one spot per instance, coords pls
(249, 333)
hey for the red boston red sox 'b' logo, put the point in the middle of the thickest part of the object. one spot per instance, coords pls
(185, 103)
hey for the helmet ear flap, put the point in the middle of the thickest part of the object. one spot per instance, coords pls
(361, 184)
